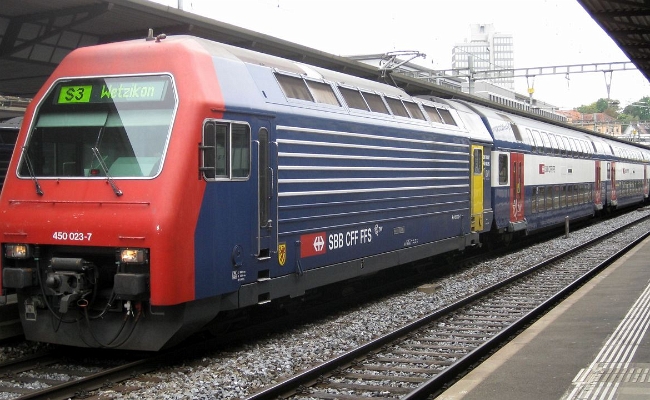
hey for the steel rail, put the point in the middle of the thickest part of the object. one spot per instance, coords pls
(281, 389)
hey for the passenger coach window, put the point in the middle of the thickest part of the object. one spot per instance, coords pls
(503, 169)
(547, 143)
(536, 141)
(478, 161)
(540, 199)
(555, 149)
(574, 148)
(549, 198)
(567, 146)
(225, 150)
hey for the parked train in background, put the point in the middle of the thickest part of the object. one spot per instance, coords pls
(8, 133)
(158, 183)
(8, 311)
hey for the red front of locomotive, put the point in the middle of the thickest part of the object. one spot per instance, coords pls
(102, 196)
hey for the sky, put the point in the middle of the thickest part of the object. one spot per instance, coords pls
(545, 33)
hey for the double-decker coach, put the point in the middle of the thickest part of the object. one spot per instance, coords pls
(624, 172)
(543, 173)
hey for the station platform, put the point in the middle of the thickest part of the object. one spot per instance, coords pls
(594, 345)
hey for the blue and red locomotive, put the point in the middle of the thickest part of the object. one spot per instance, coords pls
(158, 183)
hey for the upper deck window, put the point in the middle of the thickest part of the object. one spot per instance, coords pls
(375, 103)
(397, 107)
(446, 116)
(414, 110)
(323, 93)
(432, 112)
(294, 87)
(537, 140)
(555, 149)
(567, 146)
(97, 127)
(353, 98)
(306, 89)
(546, 142)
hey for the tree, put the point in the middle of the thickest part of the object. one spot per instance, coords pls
(609, 107)
(639, 109)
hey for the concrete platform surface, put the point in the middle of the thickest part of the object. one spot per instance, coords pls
(592, 346)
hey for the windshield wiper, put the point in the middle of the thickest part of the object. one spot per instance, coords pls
(31, 171)
(102, 164)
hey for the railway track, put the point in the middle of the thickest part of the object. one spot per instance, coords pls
(421, 358)
(55, 375)
(9, 321)
(389, 367)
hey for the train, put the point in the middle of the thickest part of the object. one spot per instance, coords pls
(160, 183)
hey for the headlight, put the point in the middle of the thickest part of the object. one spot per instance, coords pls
(18, 251)
(132, 256)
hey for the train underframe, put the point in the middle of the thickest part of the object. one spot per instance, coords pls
(82, 296)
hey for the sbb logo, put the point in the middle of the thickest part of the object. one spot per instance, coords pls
(319, 243)
(335, 241)
(312, 244)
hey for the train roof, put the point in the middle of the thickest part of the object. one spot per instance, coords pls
(437, 110)
(511, 131)
(285, 65)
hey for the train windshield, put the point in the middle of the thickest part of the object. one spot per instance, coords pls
(97, 127)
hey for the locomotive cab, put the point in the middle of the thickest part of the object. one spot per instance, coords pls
(94, 148)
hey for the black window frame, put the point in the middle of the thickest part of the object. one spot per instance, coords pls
(230, 134)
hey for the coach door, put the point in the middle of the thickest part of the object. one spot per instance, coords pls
(646, 189)
(598, 201)
(266, 221)
(476, 189)
(516, 187)
(612, 174)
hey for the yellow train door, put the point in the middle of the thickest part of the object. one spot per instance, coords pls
(476, 188)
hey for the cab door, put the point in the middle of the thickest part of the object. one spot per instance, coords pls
(476, 188)
(266, 231)
(516, 187)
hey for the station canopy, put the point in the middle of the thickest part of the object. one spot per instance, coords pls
(35, 35)
(627, 22)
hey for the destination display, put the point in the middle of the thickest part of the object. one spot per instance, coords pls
(114, 90)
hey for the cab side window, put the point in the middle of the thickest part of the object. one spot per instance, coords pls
(225, 151)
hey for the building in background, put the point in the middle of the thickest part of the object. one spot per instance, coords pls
(400, 63)
(486, 50)
(597, 122)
